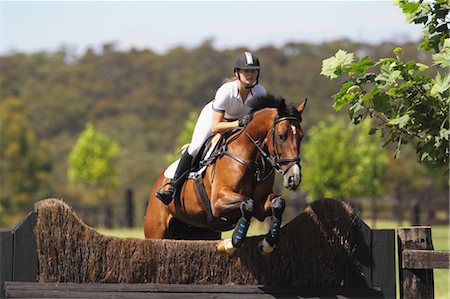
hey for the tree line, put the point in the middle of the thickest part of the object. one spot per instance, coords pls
(141, 100)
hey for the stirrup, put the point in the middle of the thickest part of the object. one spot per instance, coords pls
(165, 195)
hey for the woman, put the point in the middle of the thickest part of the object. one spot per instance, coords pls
(226, 111)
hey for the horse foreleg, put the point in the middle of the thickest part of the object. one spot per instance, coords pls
(268, 244)
(229, 202)
(240, 232)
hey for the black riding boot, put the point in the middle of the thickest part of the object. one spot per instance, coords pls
(176, 183)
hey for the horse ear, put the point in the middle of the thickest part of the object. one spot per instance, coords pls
(282, 107)
(302, 106)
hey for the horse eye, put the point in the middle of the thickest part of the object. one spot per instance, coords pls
(283, 136)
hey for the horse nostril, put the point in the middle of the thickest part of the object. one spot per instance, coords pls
(291, 181)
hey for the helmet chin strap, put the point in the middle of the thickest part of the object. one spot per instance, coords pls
(251, 85)
(247, 86)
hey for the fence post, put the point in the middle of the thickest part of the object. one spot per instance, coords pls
(25, 262)
(18, 254)
(129, 208)
(383, 261)
(6, 259)
(415, 283)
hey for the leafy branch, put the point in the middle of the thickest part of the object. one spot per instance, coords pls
(411, 106)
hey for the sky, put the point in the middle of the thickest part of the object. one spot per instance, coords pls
(32, 26)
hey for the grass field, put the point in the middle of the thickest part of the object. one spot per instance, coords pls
(440, 235)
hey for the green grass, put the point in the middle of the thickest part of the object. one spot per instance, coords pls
(440, 235)
(123, 232)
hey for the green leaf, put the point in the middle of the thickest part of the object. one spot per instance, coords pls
(384, 61)
(388, 74)
(444, 133)
(426, 45)
(400, 121)
(443, 58)
(362, 65)
(331, 67)
(340, 103)
(343, 91)
(409, 7)
(412, 65)
(381, 103)
(440, 85)
(369, 96)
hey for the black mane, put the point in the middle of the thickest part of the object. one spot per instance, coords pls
(272, 101)
(264, 101)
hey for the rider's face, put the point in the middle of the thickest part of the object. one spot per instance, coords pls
(248, 77)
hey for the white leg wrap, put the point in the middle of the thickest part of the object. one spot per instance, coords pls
(229, 248)
(226, 246)
(265, 247)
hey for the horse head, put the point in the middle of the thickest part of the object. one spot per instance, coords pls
(282, 136)
(286, 137)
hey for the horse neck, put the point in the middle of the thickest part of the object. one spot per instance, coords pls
(258, 129)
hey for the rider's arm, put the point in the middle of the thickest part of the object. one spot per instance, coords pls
(219, 125)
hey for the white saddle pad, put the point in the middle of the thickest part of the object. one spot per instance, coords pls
(170, 171)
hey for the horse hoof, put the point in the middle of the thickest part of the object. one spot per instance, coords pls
(265, 248)
(226, 247)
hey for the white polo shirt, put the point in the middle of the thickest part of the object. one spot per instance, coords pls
(229, 101)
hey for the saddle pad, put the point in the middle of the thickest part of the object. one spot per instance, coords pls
(170, 171)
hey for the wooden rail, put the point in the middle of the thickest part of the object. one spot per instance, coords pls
(163, 291)
(416, 260)
(425, 259)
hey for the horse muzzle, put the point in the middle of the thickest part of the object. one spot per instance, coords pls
(292, 177)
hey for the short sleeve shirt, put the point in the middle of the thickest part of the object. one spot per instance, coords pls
(229, 101)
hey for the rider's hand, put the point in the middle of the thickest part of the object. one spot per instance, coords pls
(244, 121)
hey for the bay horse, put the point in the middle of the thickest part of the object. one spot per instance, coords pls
(238, 185)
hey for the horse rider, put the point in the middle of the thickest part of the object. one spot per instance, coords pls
(225, 111)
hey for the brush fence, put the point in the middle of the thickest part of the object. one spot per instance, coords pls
(323, 248)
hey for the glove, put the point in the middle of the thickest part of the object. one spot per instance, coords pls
(245, 120)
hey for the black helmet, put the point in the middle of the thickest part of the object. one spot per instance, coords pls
(247, 61)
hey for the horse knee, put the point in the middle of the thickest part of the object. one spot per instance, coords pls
(277, 205)
(248, 208)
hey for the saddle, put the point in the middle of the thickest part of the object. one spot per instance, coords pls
(213, 148)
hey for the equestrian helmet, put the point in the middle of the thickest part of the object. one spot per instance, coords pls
(247, 61)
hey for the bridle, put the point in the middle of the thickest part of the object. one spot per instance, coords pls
(273, 158)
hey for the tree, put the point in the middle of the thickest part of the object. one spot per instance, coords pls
(342, 161)
(91, 163)
(409, 104)
(25, 162)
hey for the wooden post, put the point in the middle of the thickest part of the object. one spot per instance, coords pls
(6, 259)
(383, 261)
(415, 283)
(18, 254)
(129, 208)
(25, 263)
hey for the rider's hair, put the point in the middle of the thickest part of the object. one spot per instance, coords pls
(230, 79)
